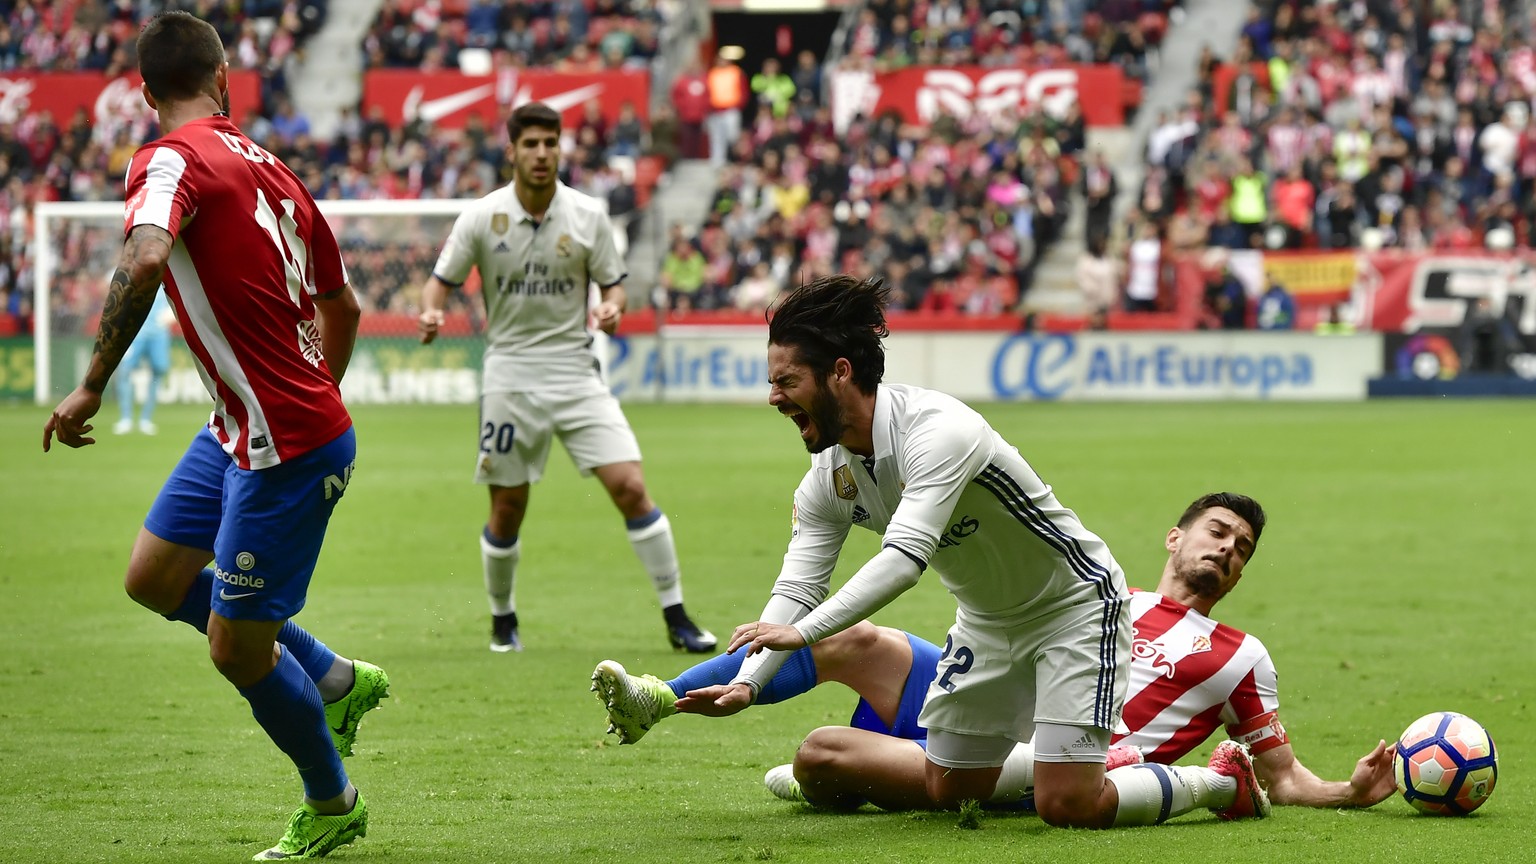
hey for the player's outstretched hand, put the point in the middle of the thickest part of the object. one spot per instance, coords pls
(717, 700)
(1373, 781)
(428, 323)
(607, 315)
(70, 420)
(759, 635)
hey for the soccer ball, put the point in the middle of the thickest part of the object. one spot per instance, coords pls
(1446, 764)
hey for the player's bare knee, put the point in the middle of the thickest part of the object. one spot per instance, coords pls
(833, 654)
(242, 663)
(150, 592)
(820, 753)
(629, 496)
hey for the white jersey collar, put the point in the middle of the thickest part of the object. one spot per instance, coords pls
(521, 215)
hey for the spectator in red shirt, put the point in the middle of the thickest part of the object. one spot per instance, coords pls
(1294, 198)
(690, 98)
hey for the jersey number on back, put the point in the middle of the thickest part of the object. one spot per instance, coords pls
(284, 233)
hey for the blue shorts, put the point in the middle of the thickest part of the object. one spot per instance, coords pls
(925, 664)
(264, 527)
(156, 347)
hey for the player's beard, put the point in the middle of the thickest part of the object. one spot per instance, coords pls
(224, 102)
(827, 417)
(1199, 576)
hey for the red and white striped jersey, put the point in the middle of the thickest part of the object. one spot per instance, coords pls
(1190, 675)
(250, 253)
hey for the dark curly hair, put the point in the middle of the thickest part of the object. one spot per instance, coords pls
(835, 316)
(1242, 505)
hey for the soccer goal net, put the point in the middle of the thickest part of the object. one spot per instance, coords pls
(389, 248)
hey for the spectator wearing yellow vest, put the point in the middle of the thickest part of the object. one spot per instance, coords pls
(773, 88)
(727, 94)
(1334, 325)
(1249, 202)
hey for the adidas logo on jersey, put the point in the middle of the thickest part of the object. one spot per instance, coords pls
(860, 515)
(502, 247)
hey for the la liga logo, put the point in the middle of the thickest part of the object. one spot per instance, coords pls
(1426, 356)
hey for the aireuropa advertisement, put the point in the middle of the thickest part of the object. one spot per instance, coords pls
(730, 365)
(724, 366)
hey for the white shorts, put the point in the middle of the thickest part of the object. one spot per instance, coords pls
(1070, 669)
(516, 430)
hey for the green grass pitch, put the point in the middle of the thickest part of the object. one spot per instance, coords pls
(1394, 579)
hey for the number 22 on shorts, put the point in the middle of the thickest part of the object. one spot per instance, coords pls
(963, 658)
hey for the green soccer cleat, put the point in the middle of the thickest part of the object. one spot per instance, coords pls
(635, 703)
(344, 715)
(315, 835)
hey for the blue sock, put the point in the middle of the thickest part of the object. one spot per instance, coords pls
(312, 654)
(288, 707)
(796, 676)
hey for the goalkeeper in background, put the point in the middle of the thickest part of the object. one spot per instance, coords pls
(153, 344)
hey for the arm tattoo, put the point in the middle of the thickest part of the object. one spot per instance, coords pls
(127, 306)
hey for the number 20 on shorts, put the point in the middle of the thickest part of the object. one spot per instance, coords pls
(496, 438)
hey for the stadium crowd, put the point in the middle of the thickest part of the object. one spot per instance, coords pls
(97, 35)
(1382, 124)
(954, 214)
(1007, 33)
(563, 35)
(366, 158)
(83, 158)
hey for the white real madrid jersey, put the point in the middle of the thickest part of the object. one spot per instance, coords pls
(946, 490)
(535, 278)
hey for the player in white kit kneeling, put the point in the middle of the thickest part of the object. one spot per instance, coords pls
(1041, 643)
(538, 245)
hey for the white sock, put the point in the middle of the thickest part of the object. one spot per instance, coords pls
(1018, 778)
(500, 565)
(337, 681)
(1151, 794)
(657, 554)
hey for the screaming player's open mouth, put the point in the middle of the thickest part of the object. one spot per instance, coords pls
(802, 419)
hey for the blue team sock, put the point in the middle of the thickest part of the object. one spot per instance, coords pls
(312, 654)
(288, 707)
(498, 542)
(645, 521)
(796, 676)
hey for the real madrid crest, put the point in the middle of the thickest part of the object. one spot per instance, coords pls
(842, 481)
(500, 222)
(563, 246)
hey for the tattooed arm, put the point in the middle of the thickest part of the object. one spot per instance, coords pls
(132, 293)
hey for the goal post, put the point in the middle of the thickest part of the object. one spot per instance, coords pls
(389, 248)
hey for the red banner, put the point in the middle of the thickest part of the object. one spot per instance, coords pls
(446, 99)
(1405, 291)
(106, 100)
(921, 93)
